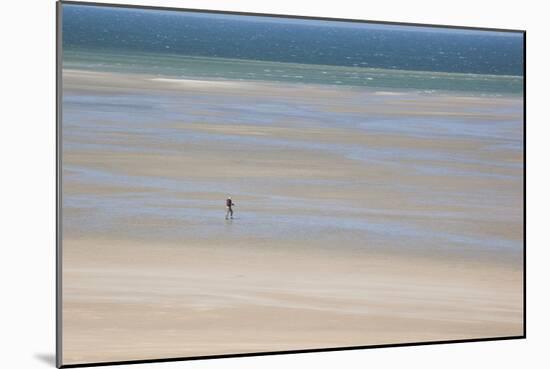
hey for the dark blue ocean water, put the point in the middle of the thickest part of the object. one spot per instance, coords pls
(146, 35)
(297, 41)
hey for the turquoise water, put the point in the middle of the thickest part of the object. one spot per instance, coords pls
(234, 69)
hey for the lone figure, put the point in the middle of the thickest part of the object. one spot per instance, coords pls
(229, 203)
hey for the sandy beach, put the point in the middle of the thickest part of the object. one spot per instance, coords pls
(363, 216)
(213, 299)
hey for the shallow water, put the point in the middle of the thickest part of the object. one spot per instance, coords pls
(181, 208)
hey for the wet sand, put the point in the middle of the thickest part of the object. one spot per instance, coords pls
(362, 217)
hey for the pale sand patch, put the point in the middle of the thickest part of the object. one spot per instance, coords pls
(389, 93)
(176, 300)
(191, 83)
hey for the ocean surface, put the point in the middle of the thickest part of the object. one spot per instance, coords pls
(217, 46)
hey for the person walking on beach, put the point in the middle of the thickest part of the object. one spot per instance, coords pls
(229, 203)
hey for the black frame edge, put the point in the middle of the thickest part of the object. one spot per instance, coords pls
(525, 184)
(58, 233)
(287, 352)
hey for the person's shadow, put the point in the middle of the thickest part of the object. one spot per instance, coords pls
(46, 358)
